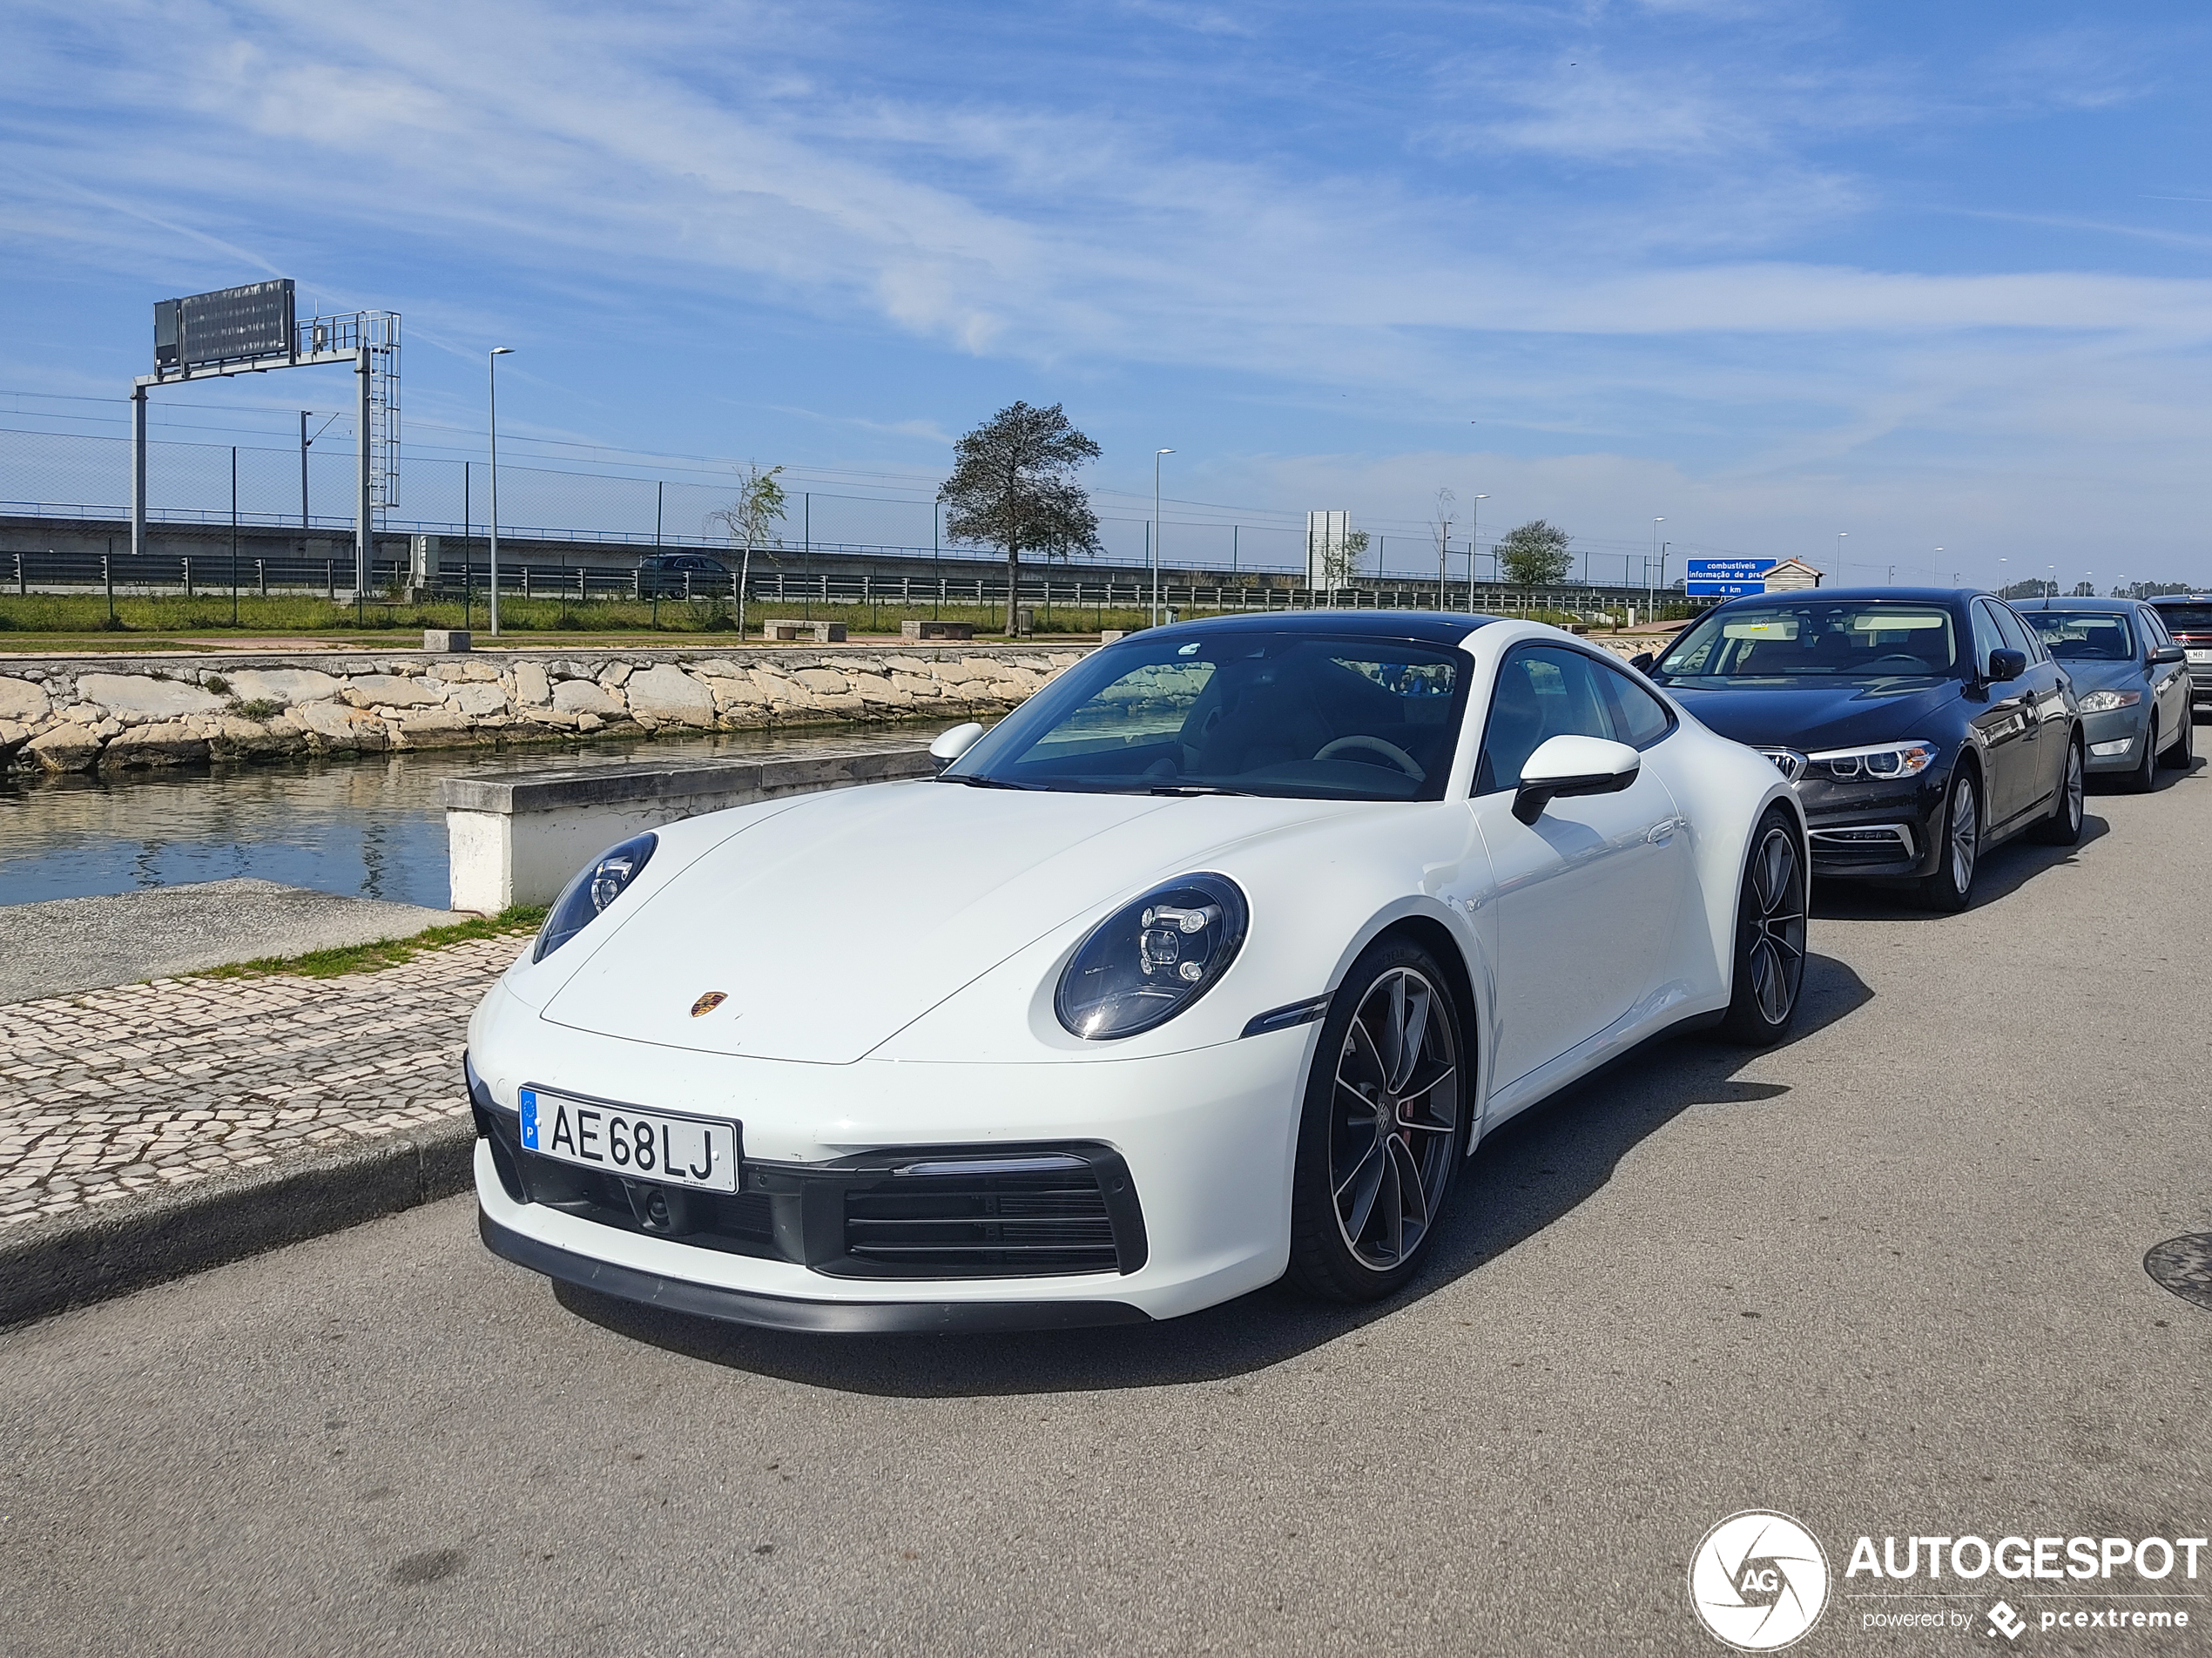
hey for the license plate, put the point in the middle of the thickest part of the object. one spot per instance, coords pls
(2204, 657)
(645, 1145)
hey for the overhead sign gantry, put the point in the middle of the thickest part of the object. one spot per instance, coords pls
(253, 329)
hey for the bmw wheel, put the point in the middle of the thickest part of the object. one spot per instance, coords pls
(1952, 887)
(2063, 826)
(1383, 1128)
(1769, 935)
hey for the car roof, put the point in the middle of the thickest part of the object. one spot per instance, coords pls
(1909, 594)
(1424, 627)
(2109, 607)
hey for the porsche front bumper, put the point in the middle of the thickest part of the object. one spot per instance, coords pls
(1200, 1144)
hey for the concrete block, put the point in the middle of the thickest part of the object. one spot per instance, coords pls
(938, 630)
(449, 640)
(819, 632)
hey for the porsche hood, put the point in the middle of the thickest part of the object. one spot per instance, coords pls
(829, 927)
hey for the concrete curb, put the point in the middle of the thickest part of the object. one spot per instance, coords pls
(50, 1266)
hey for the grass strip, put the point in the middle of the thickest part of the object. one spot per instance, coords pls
(387, 953)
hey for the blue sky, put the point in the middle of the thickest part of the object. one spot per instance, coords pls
(1932, 275)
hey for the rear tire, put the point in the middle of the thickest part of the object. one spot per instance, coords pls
(2063, 826)
(1384, 1129)
(1769, 967)
(1950, 889)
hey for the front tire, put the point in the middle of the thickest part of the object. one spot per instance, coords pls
(2063, 826)
(1952, 887)
(2140, 779)
(1383, 1129)
(2182, 755)
(1770, 936)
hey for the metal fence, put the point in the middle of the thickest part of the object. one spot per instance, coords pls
(74, 476)
(218, 571)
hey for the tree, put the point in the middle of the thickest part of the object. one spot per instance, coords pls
(1341, 559)
(1535, 554)
(2033, 587)
(1013, 486)
(1442, 524)
(750, 520)
(2083, 590)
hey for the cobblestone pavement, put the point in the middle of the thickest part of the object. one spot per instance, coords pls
(118, 1091)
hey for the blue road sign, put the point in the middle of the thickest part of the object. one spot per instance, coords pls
(1726, 578)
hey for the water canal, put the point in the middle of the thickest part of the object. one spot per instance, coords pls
(370, 828)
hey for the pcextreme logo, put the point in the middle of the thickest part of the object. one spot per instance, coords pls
(1759, 1581)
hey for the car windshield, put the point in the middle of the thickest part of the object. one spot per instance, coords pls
(2084, 636)
(1236, 712)
(1817, 638)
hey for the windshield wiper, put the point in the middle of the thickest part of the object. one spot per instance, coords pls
(975, 782)
(1196, 788)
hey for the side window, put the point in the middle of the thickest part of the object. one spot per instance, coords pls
(1639, 718)
(2017, 635)
(1986, 638)
(2154, 626)
(1543, 692)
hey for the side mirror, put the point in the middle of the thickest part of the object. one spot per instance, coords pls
(2006, 665)
(1567, 766)
(1644, 661)
(951, 744)
(2169, 653)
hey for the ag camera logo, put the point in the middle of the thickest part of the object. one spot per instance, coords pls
(1759, 1581)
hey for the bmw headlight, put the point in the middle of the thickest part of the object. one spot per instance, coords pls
(1883, 762)
(1149, 960)
(601, 882)
(2103, 702)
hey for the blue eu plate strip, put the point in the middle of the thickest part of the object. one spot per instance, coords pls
(527, 1100)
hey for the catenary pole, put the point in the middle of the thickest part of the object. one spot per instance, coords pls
(491, 364)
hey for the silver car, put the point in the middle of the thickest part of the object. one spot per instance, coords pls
(2131, 680)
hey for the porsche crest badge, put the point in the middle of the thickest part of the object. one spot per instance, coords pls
(709, 1002)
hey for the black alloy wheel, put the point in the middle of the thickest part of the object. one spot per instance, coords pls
(1769, 935)
(1383, 1129)
(1952, 887)
(2140, 780)
(2063, 826)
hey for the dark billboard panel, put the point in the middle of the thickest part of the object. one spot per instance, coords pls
(227, 326)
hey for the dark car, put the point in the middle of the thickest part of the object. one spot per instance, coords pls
(2129, 683)
(2187, 616)
(1920, 726)
(681, 576)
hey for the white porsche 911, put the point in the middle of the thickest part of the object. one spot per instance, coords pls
(1213, 961)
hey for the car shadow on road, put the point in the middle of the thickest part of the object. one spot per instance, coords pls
(2004, 871)
(1539, 1167)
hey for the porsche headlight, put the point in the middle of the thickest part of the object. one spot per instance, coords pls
(600, 883)
(1149, 960)
(1882, 763)
(2103, 702)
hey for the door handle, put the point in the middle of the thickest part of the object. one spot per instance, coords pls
(1660, 833)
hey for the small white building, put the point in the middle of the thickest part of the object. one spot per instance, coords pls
(1325, 536)
(1792, 575)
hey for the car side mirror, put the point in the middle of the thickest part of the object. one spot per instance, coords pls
(951, 744)
(1568, 766)
(2169, 653)
(1643, 661)
(2007, 664)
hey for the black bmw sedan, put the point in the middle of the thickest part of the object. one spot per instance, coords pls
(1920, 726)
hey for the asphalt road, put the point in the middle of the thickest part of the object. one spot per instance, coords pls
(1887, 1279)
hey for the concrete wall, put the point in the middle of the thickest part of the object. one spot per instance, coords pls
(73, 714)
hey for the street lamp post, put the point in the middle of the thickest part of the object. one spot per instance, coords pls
(1474, 529)
(1156, 453)
(492, 369)
(1650, 602)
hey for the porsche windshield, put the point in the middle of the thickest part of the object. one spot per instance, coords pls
(1817, 639)
(1288, 714)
